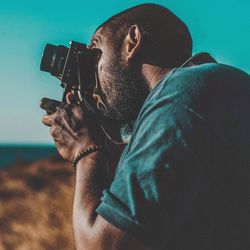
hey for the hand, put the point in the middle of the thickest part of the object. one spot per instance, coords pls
(73, 128)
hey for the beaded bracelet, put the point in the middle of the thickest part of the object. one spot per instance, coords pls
(84, 153)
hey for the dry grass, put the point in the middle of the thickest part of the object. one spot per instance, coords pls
(35, 206)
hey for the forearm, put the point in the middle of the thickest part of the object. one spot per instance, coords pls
(90, 183)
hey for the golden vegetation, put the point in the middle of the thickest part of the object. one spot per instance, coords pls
(35, 206)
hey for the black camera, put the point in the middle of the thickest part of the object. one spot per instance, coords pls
(74, 66)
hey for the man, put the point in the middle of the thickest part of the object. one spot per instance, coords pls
(182, 181)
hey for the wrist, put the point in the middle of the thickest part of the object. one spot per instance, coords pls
(93, 164)
(88, 153)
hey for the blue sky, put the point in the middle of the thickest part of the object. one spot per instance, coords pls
(219, 27)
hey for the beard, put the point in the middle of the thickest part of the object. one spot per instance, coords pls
(123, 92)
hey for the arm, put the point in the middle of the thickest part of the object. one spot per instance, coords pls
(72, 135)
(91, 231)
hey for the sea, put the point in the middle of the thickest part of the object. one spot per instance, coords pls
(11, 154)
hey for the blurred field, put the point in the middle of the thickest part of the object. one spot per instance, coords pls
(35, 206)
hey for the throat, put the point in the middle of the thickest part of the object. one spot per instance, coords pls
(154, 74)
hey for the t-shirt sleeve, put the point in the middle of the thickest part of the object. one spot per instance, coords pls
(160, 173)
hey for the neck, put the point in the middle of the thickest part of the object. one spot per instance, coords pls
(153, 74)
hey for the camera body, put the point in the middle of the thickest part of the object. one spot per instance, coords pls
(74, 67)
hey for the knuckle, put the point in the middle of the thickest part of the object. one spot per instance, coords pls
(57, 120)
(53, 131)
(64, 107)
(78, 111)
(64, 110)
(59, 112)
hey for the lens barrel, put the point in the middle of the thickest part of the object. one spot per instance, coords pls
(53, 59)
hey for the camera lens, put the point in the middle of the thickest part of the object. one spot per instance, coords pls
(53, 59)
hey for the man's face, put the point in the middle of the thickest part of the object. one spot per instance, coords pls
(121, 85)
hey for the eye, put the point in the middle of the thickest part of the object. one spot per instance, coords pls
(92, 45)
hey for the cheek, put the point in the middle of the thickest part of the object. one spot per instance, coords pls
(101, 68)
(101, 77)
(100, 94)
(107, 74)
(103, 73)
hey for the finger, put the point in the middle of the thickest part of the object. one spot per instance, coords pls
(69, 97)
(64, 106)
(78, 111)
(64, 111)
(47, 120)
(61, 114)
(55, 133)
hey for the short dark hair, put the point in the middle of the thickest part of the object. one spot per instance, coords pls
(166, 36)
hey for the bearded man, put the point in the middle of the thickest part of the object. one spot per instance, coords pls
(182, 181)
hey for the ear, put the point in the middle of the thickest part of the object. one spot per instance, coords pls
(133, 42)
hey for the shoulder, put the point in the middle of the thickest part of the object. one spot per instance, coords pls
(191, 85)
(208, 70)
(207, 95)
(196, 77)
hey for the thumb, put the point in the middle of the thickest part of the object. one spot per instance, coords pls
(47, 120)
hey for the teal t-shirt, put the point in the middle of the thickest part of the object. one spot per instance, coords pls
(183, 180)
